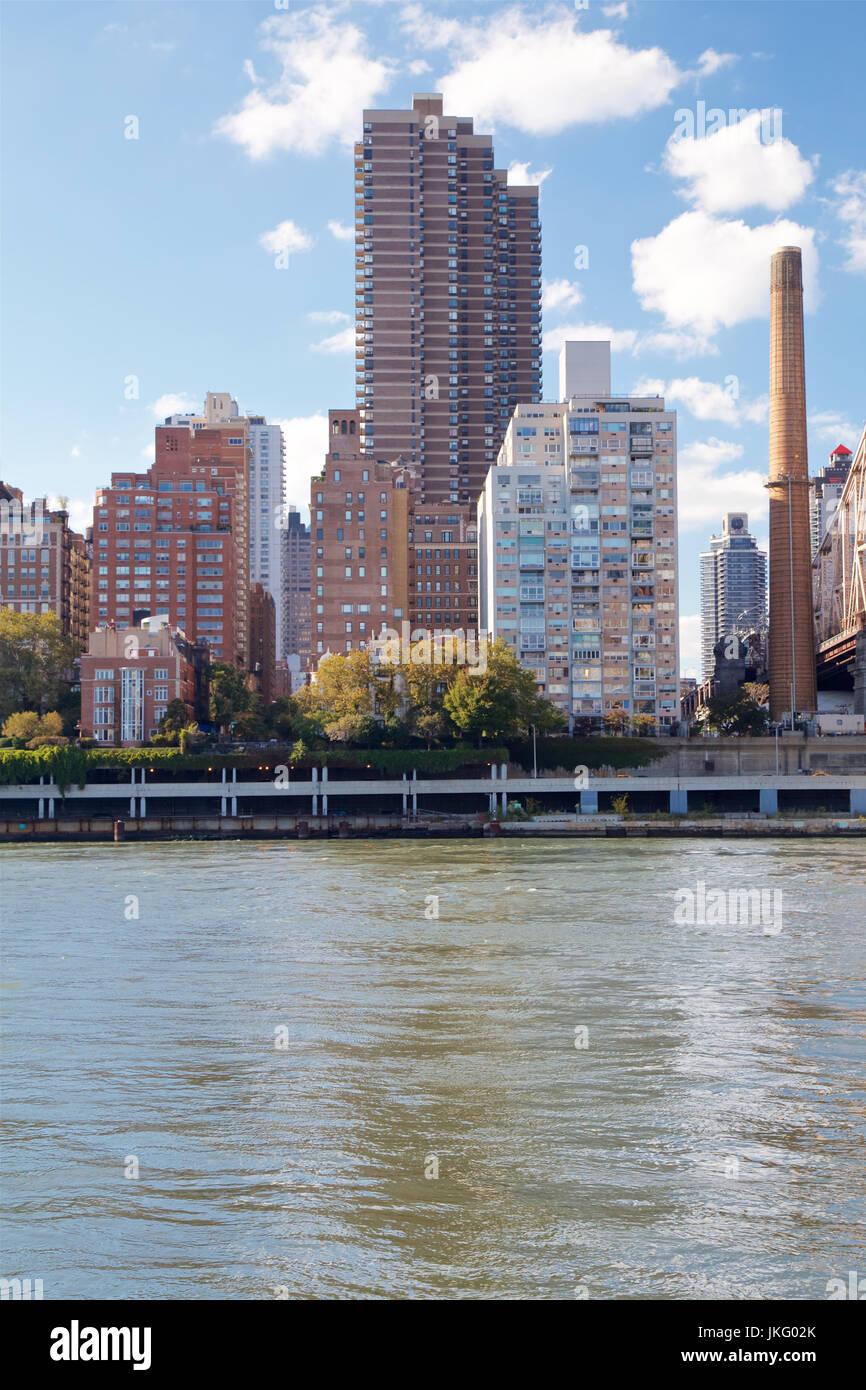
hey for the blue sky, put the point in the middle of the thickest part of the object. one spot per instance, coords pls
(148, 264)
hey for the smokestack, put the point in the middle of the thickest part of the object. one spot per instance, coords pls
(791, 652)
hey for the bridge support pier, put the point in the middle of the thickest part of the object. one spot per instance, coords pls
(678, 802)
(768, 801)
(589, 803)
(858, 801)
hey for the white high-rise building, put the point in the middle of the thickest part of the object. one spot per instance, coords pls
(733, 587)
(267, 492)
(577, 537)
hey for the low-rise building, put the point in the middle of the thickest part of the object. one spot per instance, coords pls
(130, 677)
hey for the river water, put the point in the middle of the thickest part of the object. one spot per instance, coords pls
(561, 1086)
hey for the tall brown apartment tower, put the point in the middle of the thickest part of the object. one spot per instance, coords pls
(447, 295)
(791, 654)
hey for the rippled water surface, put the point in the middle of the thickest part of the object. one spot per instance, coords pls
(289, 1041)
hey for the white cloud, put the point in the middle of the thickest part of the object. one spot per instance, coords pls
(149, 452)
(710, 61)
(621, 340)
(757, 412)
(833, 427)
(677, 342)
(703, 273)
(560, 294)
(326, 78)
(707, 400)
(733, 169)
(328, 316)
(619, 11)
(540, 73)
(419, 66)
(75, 452)
(705, 491)
(690, 644)
(79, 508)
(174, 405)
(306, 438)
(286, 238)
(344, 341)
(340, 231)
(850, 188)
(522, 174)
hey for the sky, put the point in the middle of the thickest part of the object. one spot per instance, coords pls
(179, 199)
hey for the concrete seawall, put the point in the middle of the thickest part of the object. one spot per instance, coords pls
(153, 828)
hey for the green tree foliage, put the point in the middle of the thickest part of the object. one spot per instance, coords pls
(30, 729)
(737, 713)
(503, 702)
(227, 694)
(36, 661)
(176, 717)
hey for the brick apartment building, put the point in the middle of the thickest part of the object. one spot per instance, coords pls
(443, 568)
(263, 642)
(44, 564)
(359, 510)
(447, 295)
(173, 540)
(129, 677)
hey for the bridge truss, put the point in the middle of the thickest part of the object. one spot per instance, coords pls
(839, 566)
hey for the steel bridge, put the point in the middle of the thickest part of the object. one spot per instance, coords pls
(839, 589)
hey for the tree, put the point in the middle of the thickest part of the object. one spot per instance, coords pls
(757, 691)
(250, 723)
(643, 724)
(36, 661)
(282, 714)
(176, 717)
(503, 701)
(227, 694)
(736, 713)
(615, 721)
(27, 727)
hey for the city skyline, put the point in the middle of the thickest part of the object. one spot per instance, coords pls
(612, 186)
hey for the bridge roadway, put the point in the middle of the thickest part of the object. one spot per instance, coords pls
(136, 791)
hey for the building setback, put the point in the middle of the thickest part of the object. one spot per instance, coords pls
(448, 297)
(578, 546)
(129, 678)
(174, 540)
(44, 565)
(733, 587)
(359, 510)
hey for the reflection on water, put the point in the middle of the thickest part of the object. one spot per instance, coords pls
(286, 1043)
